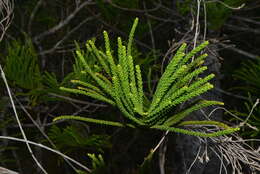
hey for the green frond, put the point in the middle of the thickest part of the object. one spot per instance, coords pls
(132, 73)
(82, 59)
(125, 86)
(188, 77)
(164, 87)
(116, 88)
(175, 99)
(124, 59)
(140, 87)
(205, 122)
(135, 101)
(88, 85)
(132, 83)
(109, 54)
(179, 116)
(121, 84)
(126, 104)
(104, 79)
(123, 79)
(131, 37)
(91, 120)
(192, 70)
(198, 61)
(185, 80)
(120, 104)
(162, 110)
(123, 92)
(125, 70)
(50, 80)
(101, 59)
(175, 61)
(97, 162)
(173, 65)
(107, 41)
(170, 69)
(90, 90)
(120, 51)
(194, 52)
(197, 134)
(168, 74)
(78, 69)
(104, 56)
(88, 47)
(194, 93)
(91, 94)
(200, 82)
(105, 86)
(21, 66)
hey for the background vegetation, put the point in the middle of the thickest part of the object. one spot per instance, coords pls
(38, 57)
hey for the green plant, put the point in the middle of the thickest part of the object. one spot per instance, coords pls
(21, 66)
(23, 71)
(120, 84)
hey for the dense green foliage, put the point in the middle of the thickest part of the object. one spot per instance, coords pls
(21, 65)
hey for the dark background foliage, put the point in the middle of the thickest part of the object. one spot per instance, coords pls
(38, 58)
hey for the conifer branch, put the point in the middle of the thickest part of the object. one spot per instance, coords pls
(197, 134)
(122, 86)
(182, 114)
(193, 52)
(88, 93)
(109, 54)
(131, 37)
(184, 80)
(205, 122)
(92, 120)
(87, 85)
(101, 59)
(162, 85)
(125, 87)
(140, 88)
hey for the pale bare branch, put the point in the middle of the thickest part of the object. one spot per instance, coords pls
(64, 22)
(6, 16)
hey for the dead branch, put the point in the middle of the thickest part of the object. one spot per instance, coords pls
(51, 50)
(6, 16)
(6, 171)
(62, 23)
(242, 52)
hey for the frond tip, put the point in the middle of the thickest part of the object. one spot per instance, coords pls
(120, 84)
